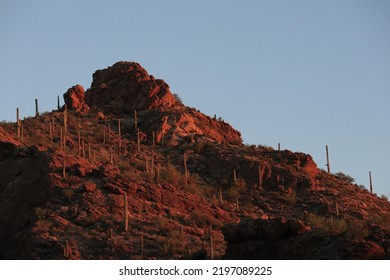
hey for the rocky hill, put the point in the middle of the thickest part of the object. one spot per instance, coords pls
(126, 171)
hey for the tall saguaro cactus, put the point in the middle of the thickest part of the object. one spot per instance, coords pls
(369, 173)
(327, 159)
(260, 177)
(186, 172)
(135, 120)
(18, 122)
(36, 108)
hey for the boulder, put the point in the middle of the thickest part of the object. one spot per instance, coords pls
(74, 99)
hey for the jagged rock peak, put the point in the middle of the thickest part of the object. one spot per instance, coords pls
(125, 87)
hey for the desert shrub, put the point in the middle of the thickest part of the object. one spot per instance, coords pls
(178, 99)
(265, 148)
(171, 175)
(175, 243)
(328, 225)
(290, 198)
(138, 165)
(344, 177)
(236, 141)
(363, 187)
(237, 189)
(203, 218)
(161, 223)
(356, 231)
(382, 220)
(200, 145)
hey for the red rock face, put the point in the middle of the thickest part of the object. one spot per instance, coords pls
(74, 99)
(125, 87)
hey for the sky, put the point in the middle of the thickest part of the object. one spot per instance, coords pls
(302, 73)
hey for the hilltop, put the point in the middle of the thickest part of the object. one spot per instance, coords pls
(124, 170)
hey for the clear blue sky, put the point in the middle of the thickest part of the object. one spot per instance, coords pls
(302, 73)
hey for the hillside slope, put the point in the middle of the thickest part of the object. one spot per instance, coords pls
(185, 175)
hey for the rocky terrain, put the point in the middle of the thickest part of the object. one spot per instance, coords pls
(124, 170)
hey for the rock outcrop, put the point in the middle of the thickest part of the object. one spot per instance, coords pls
(125, 87)
(74, 99)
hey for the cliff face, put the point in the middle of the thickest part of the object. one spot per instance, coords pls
(62, 192)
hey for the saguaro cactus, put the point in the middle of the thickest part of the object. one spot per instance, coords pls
(125, 212)
(327, 159)
(135, 120)
(369, 173)
(260, 177)
(58, 103)
(111, 158)
(220, 197)
(36, 108)
(337, 210)
(17, 122)
(278, 146)
(186, 173)
(234, 175)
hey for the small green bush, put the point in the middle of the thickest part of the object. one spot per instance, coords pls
(237, 189)
(344, 177)
(328, 225)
